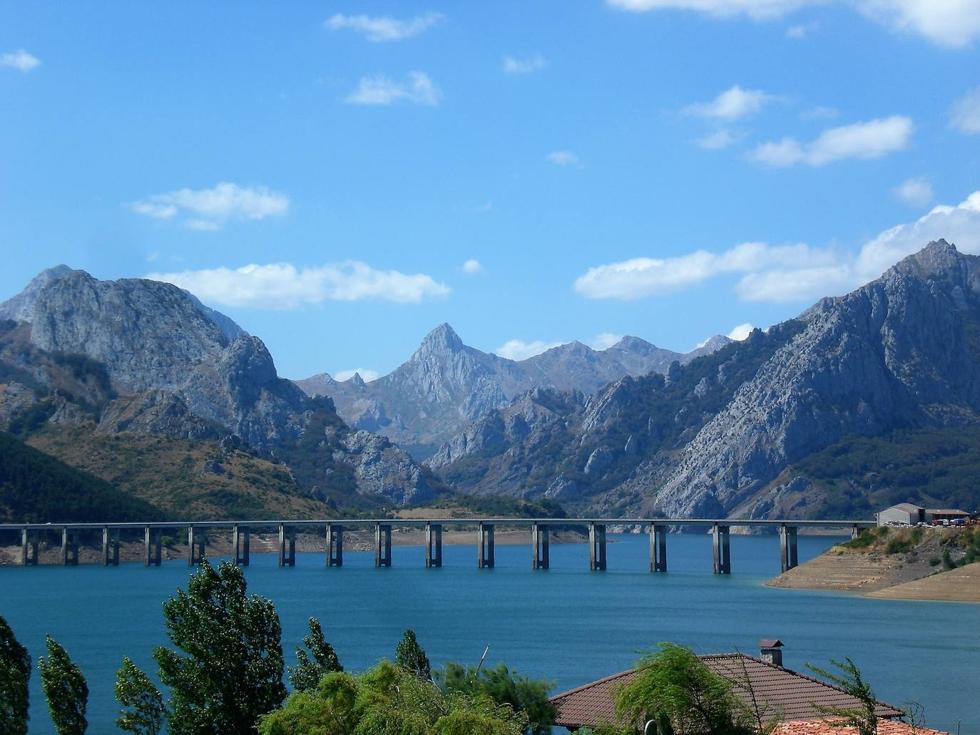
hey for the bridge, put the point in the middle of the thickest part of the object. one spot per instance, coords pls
(334, 529)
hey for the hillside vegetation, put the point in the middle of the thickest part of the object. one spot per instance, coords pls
(37, 488)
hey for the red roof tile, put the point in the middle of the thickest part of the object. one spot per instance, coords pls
(793, 696)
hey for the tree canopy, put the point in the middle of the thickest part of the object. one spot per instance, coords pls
(15, 675)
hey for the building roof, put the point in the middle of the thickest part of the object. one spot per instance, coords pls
(947, 512)
(792, 695)
(907, 507)
(828, 727)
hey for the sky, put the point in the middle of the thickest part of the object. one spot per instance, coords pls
(342, 177)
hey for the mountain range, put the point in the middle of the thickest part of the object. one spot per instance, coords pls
(725, 434)
(445, 385)
(861, 400)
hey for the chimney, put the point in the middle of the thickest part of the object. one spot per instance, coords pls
(771, 651)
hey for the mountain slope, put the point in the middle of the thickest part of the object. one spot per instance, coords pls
(36, 488)
(136, 357)
(714, 436)
(446, 384)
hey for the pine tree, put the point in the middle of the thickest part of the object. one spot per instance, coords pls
(65, 689)
(15, 673)
(320, 660)
(411, 657)
(143, 709)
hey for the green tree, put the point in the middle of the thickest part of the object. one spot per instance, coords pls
(504, 687)
(312, 666)
(862, 716)
(65, 689)
(15, 674)
(389, 700)
(231, 669)
(143, 710)
(675, 688)
(411, 656)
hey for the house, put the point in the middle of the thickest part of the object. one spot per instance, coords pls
(795, 697)
(905, 514)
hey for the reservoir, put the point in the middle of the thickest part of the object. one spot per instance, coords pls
(566, 624)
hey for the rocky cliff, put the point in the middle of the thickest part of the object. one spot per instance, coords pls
(144, 357)
(714, 435)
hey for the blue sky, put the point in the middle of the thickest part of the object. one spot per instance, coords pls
(323, 172)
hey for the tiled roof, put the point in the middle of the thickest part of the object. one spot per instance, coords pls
(824, 727)
(785, 692)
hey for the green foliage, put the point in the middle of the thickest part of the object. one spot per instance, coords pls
(502, 506)
(312, 666)
(15, 674)
(867, 537)
(904, 543)
(930, 467)
(65, 689)
(388, 700)
(504, 687)
(36, 487)
(232, 667)
(675, 688)
(143, 710)
(411, 656)
(848, 678)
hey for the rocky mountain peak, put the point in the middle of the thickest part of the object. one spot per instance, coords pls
(633, 344)
(20, 308)
(441, 339)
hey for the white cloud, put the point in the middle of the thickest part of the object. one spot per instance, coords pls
(757, 9)
(209, 209)
(380, 29)
(472, 266)
(563, 158)
(284, 286)
(418, 89)
(740, 332)
(800, 31)
(916, 192)
(965, 113)
(793, 273)
(527, 65)
(604, 341)
(950, 23)
(640, 277)
(516, 349)
(19, 60)
(366, 375)
(732, 104)
(863, 140)
(717, 140)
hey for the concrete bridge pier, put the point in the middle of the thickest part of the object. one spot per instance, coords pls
(658, 547)
(433, 545)
(541, 546)
(721, 549)
(788, 556)
(69, 547)
(287, 546)
(484, 546)
(28, 548)
(110, 548)
(335, 545)
(597, 547)
(195, 546)
(151, 547)
(855, 532)
(241, 541)
(382, 545)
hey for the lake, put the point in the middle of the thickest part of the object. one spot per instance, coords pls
(567, 625)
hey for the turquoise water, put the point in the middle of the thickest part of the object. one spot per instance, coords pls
(566, 624)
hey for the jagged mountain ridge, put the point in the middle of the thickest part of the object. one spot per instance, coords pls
(146, 357)
(713, 435)
(445, 385)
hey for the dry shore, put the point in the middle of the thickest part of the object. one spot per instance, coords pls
(914, 573)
